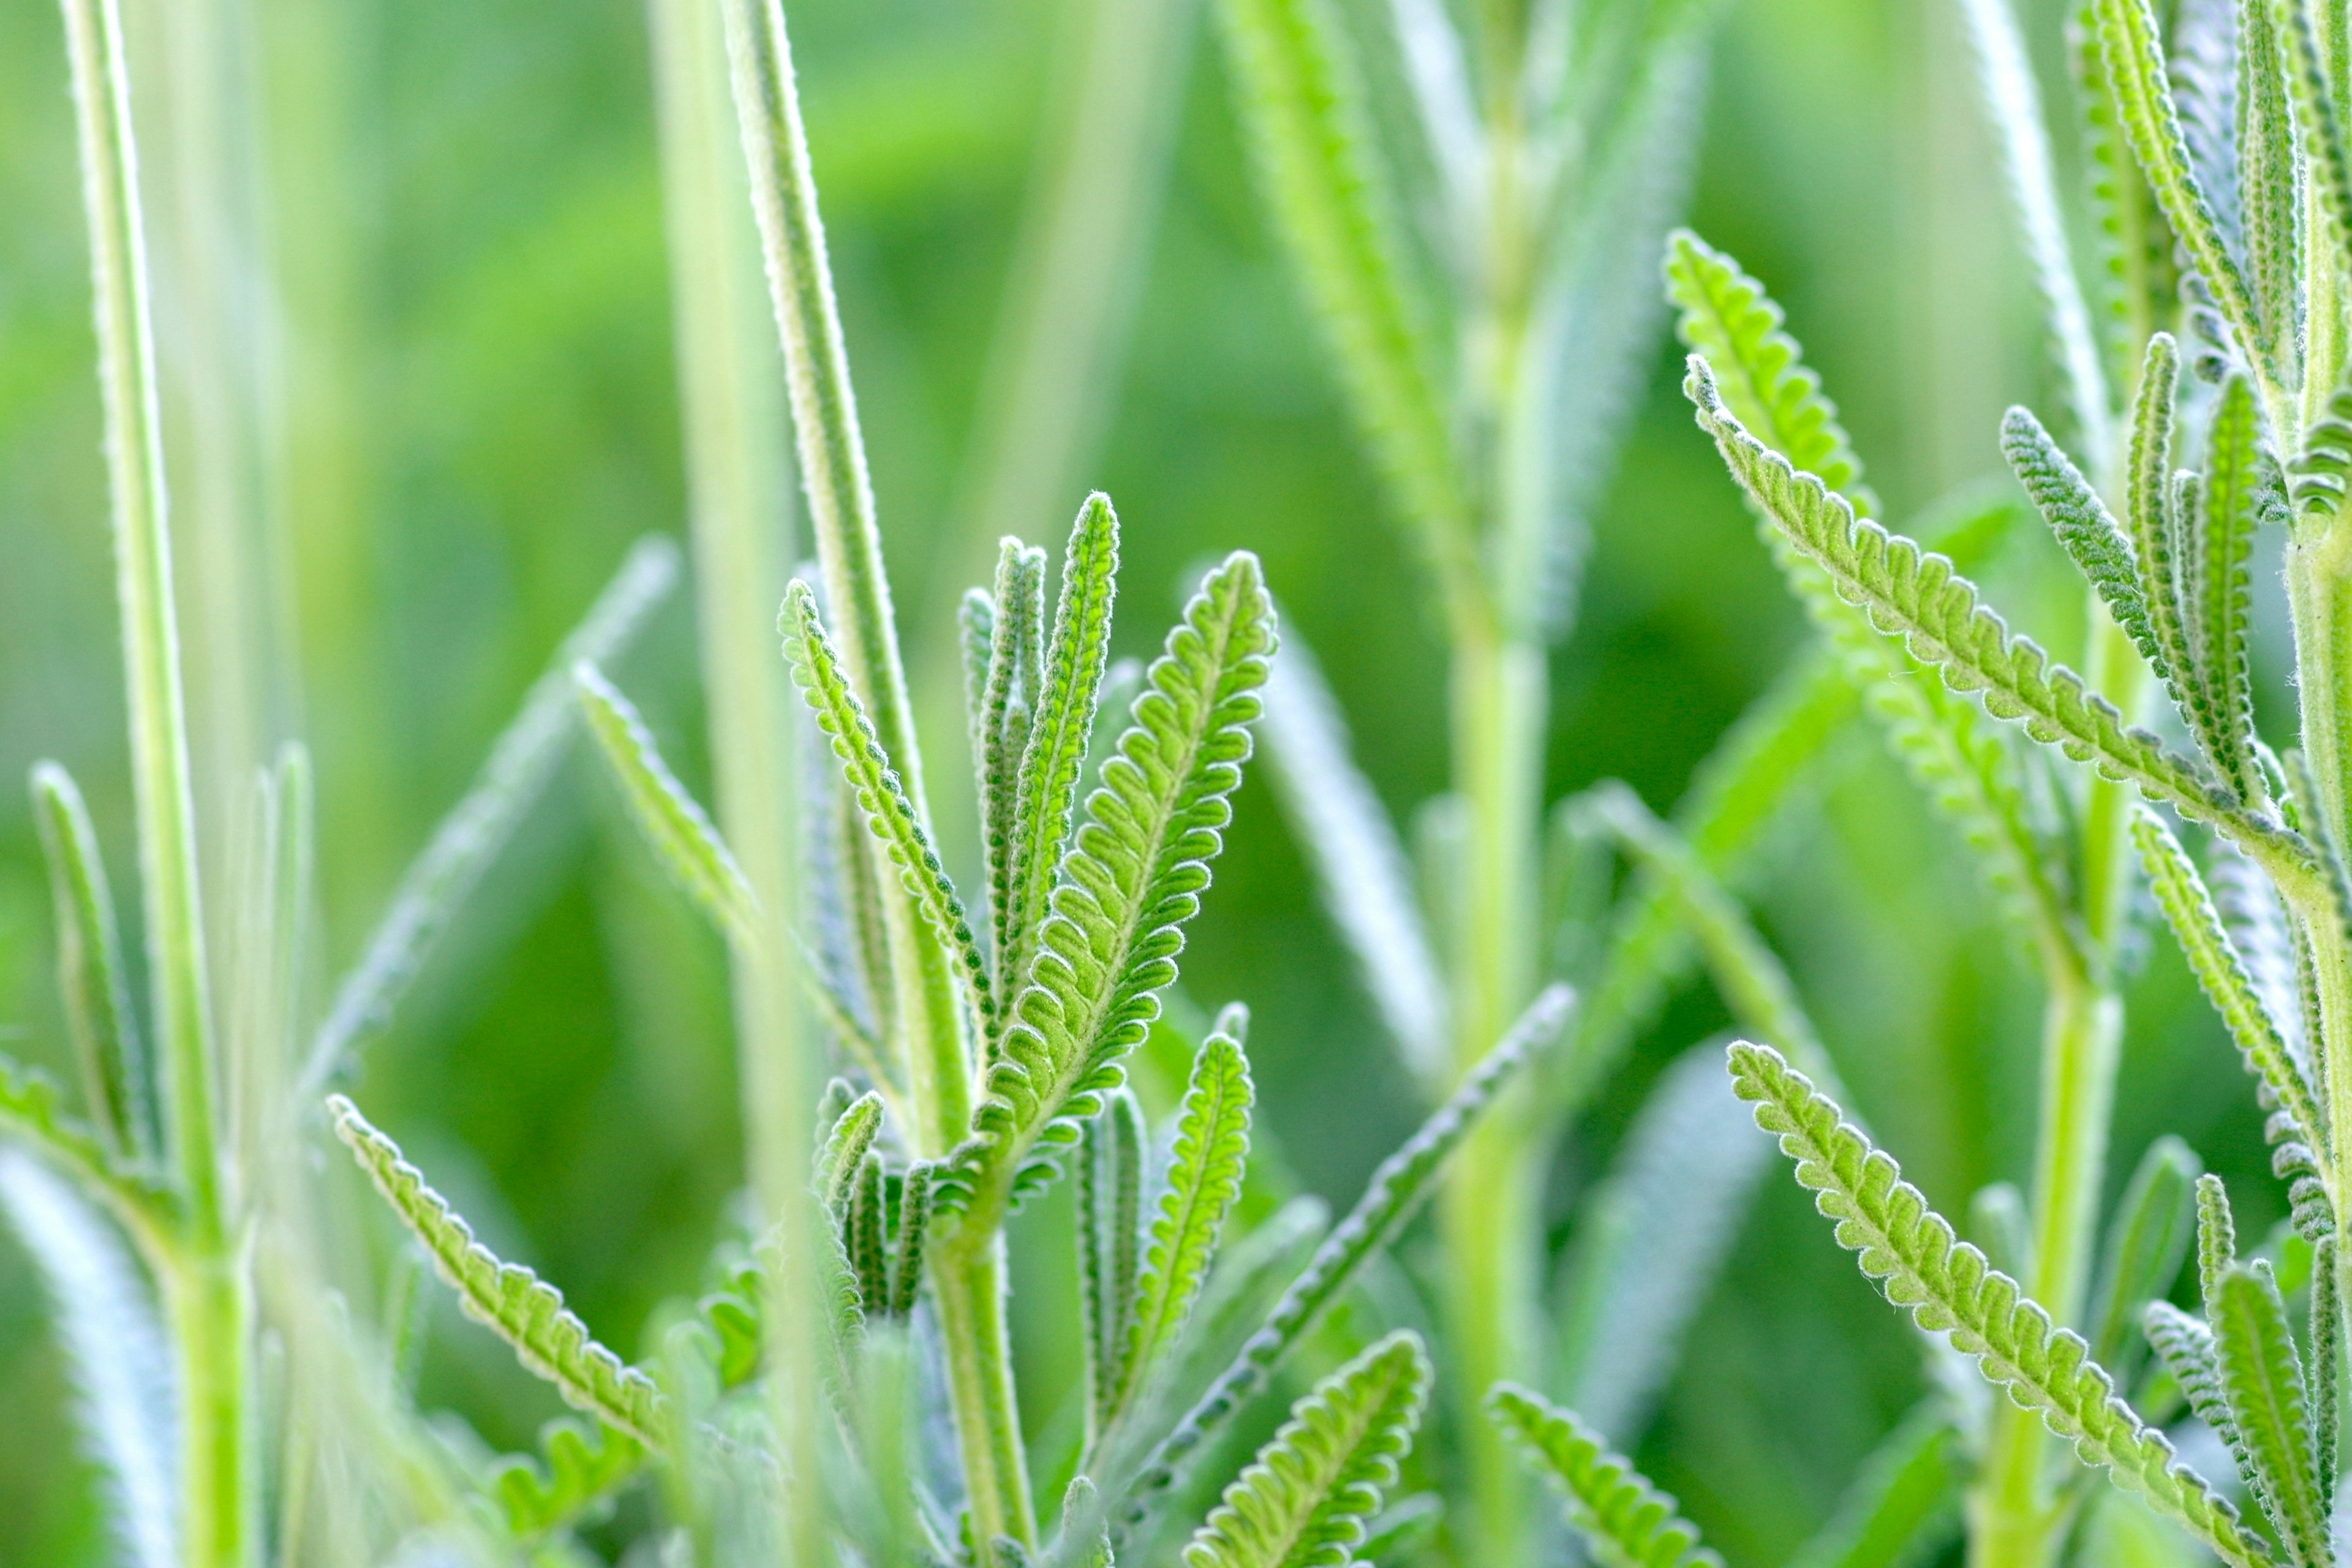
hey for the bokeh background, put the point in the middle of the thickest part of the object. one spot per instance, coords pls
(457, 323)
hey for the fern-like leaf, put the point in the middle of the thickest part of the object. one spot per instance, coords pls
(1917, 594)
(2269, 204)
(2262, 1378)
(1109, 1160)
(1628, 1522)
(1389, 1200)
(895, 824)
(2196, 926)
(116, 1077)
(507, 1298)
(1062, 717)
(1205, 1178)
(2088, 531)
(2216, 591)
(841, 1153)
(2185, 1345)
(1947, 1287)
(1131, 879)
(1304, 1501)
(2131, 47)
(1007, 699)
(2145, 1243)
(1727, 316)
(674, 823)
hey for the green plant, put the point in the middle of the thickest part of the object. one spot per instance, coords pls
(2252, 212)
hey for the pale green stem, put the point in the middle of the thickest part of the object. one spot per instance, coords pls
(736, 499)
(212, 1309)
(968, 1276)
(2016, 1520)
(1490, 1214)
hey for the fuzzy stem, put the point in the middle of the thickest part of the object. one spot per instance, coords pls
(928, 1015)
(212, 1309)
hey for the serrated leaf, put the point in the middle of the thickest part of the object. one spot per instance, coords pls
(1359, 864)
(2089, 533)
(116, 1080)
(2216, 591)
(1318, 164)
(1917, 594)
(2269, 202)
(1008, 700)
(2326, 172)
(1062, 717)
(2262, 1376)
(2325, 1327)
(1131, 879)
(1205, 1178)
(680, 831)
(1626, 1521)
(2214, 958)
(2131, 47)
(914, 1231)
(2185, 1345)
(1110, 1203)
(1947, 1287)
(1649, 1242)
(891, 816)
(1389, 1200)
(106, 1324)
(2134, 248)
(1304, 1501)
(2146, 1244)
(506, 1297)
(512, 777)
(841, 1149)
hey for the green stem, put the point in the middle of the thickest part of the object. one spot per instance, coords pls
(212, 1308)
(928, 1015)
(2016, 1521)
(967, 1288)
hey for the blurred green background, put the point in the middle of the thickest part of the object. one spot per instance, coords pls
(461, 304)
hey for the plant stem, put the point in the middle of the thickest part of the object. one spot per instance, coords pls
(2014, 1519)
(928, 1015)
(737, 499)
(211, 1309)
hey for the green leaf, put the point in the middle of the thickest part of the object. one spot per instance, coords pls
(1205, 1178)
(1903, 1506)
(1918, 594)
(2189, 910)
(2158, 540)
(842, 1152)
(1131, 879)
(1359, 864)
(2269, 204)
(1649, 1242)
(507, 1298)
(116, 1076)
(1389, 1200)
(2088, 531)
(2185, 1345)
(865, 1237)
(2326, 1335)
(512, 777)
(2262, 1376)
(1062, 713)
(880, 794)
(1318, 162)
(1947, 1286)
(2145, 1243)
(1009, 700)
(2131, 47)
(2135, 250)
(1626, 1521)
(1304, 1501)
(914, 1230)
(114, 1353)
(2217, 592)
(2326, 172)
(680, 832)
(577, 1467)
(1726, 317)
(2013, 109)
(976, 641)
(1110, 1203)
